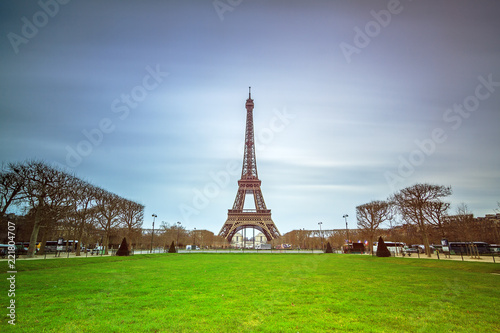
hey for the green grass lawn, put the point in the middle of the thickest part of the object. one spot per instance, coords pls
(253, 293)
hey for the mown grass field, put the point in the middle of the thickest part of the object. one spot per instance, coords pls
(254, 293)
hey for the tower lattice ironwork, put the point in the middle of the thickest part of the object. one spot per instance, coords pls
(259, 218)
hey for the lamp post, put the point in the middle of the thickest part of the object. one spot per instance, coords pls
(178, 227)
(153, 233)
(163, 223)
(346, 228)
(194, 239)
(321, 235)
(304, 237)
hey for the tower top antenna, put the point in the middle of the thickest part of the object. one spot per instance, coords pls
(249, 92)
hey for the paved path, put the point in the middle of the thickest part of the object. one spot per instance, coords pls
(490, 259)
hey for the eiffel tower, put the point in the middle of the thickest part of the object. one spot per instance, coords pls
(260, 217)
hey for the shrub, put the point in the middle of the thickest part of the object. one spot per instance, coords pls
(328, 248)
(172, 248)
(382, 250)
(123, 250)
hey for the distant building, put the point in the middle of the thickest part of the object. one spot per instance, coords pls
(238, 241)
(490, 217)
(470, 228)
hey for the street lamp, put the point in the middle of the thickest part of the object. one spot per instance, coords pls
(178, 227)
(346, 228)
(194, 239)
(304, 237)
(320, 234)
(153, 233)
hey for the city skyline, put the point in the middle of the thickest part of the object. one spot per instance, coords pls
(353, 101)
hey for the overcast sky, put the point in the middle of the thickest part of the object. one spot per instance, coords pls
(353, 101)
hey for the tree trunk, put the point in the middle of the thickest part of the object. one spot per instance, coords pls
(34, 236)
(36, 228)
(79, 239)
(43, 241)
(426, 242)
(129, 238)
(370, 244)
(423, 228)
(106, 243)
(77, 250)
(443, 233)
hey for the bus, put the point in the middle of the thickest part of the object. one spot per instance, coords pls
(465, 247)
(51, 246)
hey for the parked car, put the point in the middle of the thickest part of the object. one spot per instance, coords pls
(410, 250)
(419, 248)
(97, 250)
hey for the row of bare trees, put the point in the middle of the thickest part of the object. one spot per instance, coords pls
(55, 198)
(421, 209)
(177, 233)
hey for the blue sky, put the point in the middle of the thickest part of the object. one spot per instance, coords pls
(353, 101)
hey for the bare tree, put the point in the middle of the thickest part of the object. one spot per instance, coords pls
(205, 238)
(414, 204)
(371, 215)
(83, 197)
(132, 216)
(109, 208)
(437, 212)
(93, 227)
(46, 191)
(57, 199)
(11, 186)
(166, 233)
(336, 238)
(464, 223)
